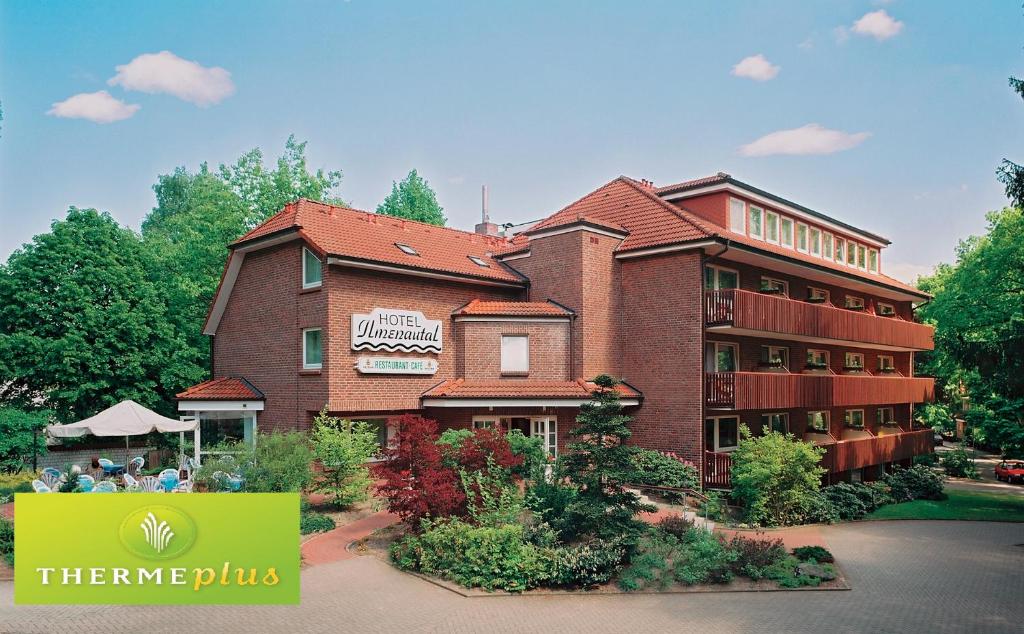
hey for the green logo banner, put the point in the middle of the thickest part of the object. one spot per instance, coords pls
(156, 548)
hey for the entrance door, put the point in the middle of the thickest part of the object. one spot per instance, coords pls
(546, 428)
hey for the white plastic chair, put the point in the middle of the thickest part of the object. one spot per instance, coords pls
(104, 462)
(149, 484)
(53, 471)
(135, 465)
(40, 487)
(130, 483)
(185, 486)
(51, 480)
(106, 486)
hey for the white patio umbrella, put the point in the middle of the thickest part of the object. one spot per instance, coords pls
(127, 418)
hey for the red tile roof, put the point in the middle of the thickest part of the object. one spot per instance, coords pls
(228, 388)
(720, 177)
(360, 235)
(461, 388)
(518, 309)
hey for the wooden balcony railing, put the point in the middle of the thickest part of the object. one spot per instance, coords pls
(771, 390)
(781, 315)
(717, 467)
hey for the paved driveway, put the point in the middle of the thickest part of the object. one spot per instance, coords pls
(907, 577)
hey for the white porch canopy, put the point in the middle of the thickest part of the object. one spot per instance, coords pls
(127, 418)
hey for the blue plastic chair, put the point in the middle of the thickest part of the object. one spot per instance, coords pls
(105, 487)
(87, 482)
(169, 479)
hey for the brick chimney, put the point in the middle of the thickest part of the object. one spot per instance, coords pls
(486, 227)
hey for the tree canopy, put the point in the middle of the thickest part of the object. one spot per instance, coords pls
(1011, 174)
(413, 199)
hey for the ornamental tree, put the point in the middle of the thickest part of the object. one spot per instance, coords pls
(413, 199)
(343, 448)
(776, 478)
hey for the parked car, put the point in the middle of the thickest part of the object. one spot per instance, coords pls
(1010, 471)
(937, 439)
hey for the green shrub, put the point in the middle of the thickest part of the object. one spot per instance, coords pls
(916, 483)
(776, 478)
(754, 557)
(21, 437)
(550, 500)
(531, 448)
(930, 459)
(676, 525)
(489, 557)
(959, 464)
(706, 559)
(315, 523)
(784, 573)
(7, 540)
(937, 416)
(852, 501)
(653, 564)
(815, 508)
(585, 565)
(279, 463)
(813, 553)
(343, 449)
(656, 469)
(18, 482)
(714, 506)
(449, 441)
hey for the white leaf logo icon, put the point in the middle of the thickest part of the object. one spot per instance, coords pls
(157, 535)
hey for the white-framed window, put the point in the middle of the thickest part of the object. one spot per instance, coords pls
(814, 238)
(786, 232)
(817, 295)
(756, 222)
(885, 310)
(775, 356)
(771, 227)
(817, 359)
(721, 357)
(478, 261)
(312, 349)
(312, 269)
(873, 260)
(886, 416)
(862, 257)
(854, 418)
(886, 362)
(826, 246)
(851, 254)
(776, 421)
(384, 431)
(854, 303)
(737, 215)
(722, 433)
(720, 278)
(853, 361)
(817, 421)
(546, 428)
(801, 237)
(840, 250)
(774, 285)
(515, 354)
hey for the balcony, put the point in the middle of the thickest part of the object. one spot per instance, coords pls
(766, 390)
(746, 313)
(840, 456)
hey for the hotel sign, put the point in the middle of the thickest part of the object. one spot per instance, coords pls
(395, 330)
(396, 365)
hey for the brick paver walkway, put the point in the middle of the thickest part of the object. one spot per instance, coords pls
(333, 545)
(906, 577)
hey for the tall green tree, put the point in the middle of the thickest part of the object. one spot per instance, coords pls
(413, 199)
(81, 325)
(265, 191)
(186, 237)
(1011, 174)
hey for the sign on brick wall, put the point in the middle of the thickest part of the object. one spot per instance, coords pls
(392, 330)
(396, 365)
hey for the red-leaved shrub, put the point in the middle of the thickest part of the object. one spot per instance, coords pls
(484, 444)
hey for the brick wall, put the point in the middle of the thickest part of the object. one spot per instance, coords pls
(711, 207)
(479, 348)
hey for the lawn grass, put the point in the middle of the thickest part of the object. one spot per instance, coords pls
(961, 505)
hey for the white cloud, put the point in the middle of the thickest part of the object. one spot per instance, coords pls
(906, 272)
(98, 107)
(841, 34)
(877, 24)
(756, 67)
(810, 139)
(165, 72)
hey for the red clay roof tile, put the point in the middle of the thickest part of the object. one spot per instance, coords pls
(518, 309)
(228, 388)
(461, 388)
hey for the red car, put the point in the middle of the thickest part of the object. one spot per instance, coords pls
(1010, 470)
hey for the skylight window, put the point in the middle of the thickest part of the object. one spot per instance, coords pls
(406, 249)
(478, 261)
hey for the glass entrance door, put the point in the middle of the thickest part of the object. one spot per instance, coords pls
(546, 428)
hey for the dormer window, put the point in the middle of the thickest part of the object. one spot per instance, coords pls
(873, 260)
(406, 249)
(478, 261)
(312, 269)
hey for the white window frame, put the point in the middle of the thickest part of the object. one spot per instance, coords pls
(751, 210)
(717, 286)
(848, 418)
(828, 245)
(853, 355)
(854, 305)
(715, 345)
(873, 268)
(733, 210)
(717, 434)
(778, 227)
(774, 349)
(807, 237)
(826, 415)
(892, 416)
(814, 244)
(507, 365)
(851, 247)
(862, 251)
(407, 249)
(839, 250)
(487, 422)
(312, 366)
(783, 283)
(891, 307)
(784, 417)
(892, 362)
(786, 239)
(305, 269)
(477, 260)
(546, 427)
(811, 290)
(814, 352)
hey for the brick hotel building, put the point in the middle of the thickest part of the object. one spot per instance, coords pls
(717, 304)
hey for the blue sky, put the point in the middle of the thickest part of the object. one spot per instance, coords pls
(541, 101)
